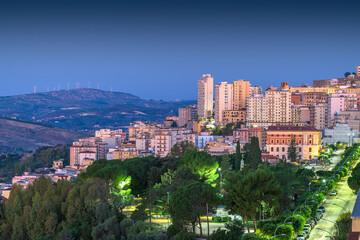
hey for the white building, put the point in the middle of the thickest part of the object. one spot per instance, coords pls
(340, 133)
(205, 99)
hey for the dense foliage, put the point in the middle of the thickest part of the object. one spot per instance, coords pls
(16, 164)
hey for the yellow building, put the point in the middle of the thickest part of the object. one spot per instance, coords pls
(233, 116)
(307, 140)
(125, 154)
(305, 89)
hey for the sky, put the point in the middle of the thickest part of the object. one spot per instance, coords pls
(159, 49)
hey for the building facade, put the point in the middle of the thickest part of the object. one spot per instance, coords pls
(241, 92)
(223, 100)
(307, 140)
(205, 99)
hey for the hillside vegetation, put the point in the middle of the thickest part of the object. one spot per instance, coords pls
(80, 109)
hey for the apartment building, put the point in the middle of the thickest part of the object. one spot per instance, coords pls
(187, 115)
(233, 116)
(244, 134)
(141, 129)
(223, 100)
(255, 90)
(318, 115)
(125, 153)
(87, 145)
(241, 92)
(340, 101)
(307, 139)
(310, 98)
(205, 99)
(272, 108)
(166, 138)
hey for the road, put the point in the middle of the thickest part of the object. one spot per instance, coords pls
(334, 206)
(333, 161)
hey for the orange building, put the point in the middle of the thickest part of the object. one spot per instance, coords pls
(307, 139)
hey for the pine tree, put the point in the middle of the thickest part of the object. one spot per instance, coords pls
(292, 155)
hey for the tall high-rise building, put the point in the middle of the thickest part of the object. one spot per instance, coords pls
(223, 100)
(357, 70)
(241, 92)
(205, 102)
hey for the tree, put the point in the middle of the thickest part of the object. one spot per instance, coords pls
(180, 149)
(246, 193)
(254, 154)
(203, 164)
(347, 74)
(188, 203)
(292, 154)
(238, 157)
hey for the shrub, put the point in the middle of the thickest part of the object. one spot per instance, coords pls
(184, 235)
(344, 224)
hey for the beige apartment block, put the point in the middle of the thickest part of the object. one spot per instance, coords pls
(241, 92)
(166, 138)
(255, 90)
(141, 129)
(318, 115)
(223, 100)
(205, 101)
(272, 108)
(233, 116)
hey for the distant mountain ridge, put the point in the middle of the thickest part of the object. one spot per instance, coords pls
(87, 109)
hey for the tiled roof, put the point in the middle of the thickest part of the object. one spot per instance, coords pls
(291, 128)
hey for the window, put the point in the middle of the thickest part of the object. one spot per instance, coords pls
(310, 150)
(272, 149)
(299, 149)
(283, 149)
(277, 149)
(277, 141)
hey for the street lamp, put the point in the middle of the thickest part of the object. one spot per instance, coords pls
(221, 173)
(337, 227)
(283, 234)
(349, 138)
(280, 226)
(326, 231)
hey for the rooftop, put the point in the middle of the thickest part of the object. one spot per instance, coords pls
(291, 128)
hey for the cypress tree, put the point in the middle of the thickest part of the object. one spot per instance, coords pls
(238, 157)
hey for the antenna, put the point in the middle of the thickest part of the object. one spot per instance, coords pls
(77, 85)
(47, 89)
(89, 84)
(68, 86)
(34, 89)
(111, 89)
(58, 87)
(98, 86)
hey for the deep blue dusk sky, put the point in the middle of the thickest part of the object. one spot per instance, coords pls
(159, 49)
